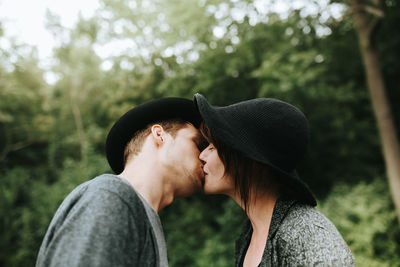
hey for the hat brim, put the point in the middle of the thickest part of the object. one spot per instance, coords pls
(139, 117)
(234, 138)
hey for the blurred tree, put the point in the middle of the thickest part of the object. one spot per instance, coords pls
(77, 90)
(367, 17)
(24, 132)
(21, 125)
(21, 82)
(227, 50)
(365, 216)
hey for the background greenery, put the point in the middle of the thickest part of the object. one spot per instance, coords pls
(52, 135)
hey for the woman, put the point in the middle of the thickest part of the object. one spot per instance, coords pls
(254, 147)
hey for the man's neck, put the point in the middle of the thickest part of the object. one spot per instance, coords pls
(150, 183)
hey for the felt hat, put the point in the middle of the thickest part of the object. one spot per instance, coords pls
(139, 117)
(267, 130)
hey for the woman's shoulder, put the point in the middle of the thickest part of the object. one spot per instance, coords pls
(305, 233)
(306, 222)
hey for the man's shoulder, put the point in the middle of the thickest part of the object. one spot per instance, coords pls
(105, 195)
(101, 220)
(109, 184)
(104, 190)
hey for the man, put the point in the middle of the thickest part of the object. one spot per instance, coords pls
(112, 220)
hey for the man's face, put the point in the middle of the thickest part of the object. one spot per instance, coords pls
(182, 158)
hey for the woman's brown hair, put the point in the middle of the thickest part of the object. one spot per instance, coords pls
(247, 174)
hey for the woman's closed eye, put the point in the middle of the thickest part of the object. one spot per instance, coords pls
(202, 144)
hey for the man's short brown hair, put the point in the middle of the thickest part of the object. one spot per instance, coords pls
(135, 145)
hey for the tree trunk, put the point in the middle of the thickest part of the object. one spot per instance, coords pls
(75, 87)
(381, 106)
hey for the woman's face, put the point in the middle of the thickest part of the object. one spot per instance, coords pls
(215, 179)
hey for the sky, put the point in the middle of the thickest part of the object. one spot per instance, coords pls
(25, 20)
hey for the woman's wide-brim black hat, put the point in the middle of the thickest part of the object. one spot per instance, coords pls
(141, 116)
(266, 130)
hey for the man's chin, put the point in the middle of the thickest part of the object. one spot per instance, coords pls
(195, 188)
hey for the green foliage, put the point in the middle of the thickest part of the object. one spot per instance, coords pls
(201, 231)
(365, 216)
(21, 82)
(218, 248)
(52, 135)
(14, 189)
(388, 47)
(27, 205)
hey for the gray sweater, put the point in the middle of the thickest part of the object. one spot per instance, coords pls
(101, 223)
(299, 235)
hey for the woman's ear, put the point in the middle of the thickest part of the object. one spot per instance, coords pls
(157, 133)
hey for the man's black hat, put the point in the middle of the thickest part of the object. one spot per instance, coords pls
(139, 117)
(269, 131)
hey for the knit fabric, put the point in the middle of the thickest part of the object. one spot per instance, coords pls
(299, 235)
(100, 223)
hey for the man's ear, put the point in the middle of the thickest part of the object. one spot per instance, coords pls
(157, 134)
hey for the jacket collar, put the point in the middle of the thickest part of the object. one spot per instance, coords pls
(281, 209)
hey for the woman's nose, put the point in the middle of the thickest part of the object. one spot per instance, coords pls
(202, 157)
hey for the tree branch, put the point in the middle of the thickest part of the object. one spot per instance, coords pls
(14, 147)
(374, 10)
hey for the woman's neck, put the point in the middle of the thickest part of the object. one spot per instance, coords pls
(259, 209)
(260, 212)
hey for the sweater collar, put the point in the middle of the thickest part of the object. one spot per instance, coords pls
(281, 209)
